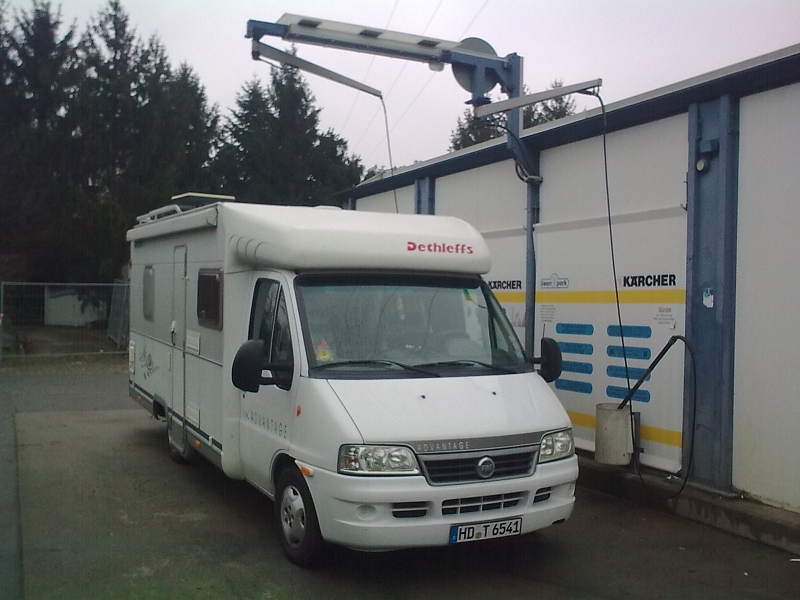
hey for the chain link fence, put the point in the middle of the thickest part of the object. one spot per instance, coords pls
(62, 319)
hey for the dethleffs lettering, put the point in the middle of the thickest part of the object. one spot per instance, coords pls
(435, 247)
(662, 280)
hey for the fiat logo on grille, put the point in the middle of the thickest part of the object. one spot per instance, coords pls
(485, 467)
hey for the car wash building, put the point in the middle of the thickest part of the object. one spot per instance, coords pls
(704, 200)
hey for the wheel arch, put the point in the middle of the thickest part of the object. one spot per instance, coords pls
(281, 462)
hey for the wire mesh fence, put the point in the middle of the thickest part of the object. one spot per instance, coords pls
(61, 319)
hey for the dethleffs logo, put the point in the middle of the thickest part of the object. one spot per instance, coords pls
(437, 248)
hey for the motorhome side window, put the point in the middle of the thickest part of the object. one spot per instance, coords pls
(149, 293)
(270, 322)
(209, 298)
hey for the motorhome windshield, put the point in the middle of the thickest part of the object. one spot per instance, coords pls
(405, 326)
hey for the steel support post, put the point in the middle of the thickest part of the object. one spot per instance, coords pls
(531, 218)
(425, 196)
(711, 287)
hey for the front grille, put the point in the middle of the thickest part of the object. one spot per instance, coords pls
(409, 510)
(462, 467)
(458, 506)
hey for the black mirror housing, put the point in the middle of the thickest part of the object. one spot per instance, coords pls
(550, 360)
(248, 364)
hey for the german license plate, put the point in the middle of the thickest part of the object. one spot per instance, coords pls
(485, 531)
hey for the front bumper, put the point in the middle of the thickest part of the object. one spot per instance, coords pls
(387, 513)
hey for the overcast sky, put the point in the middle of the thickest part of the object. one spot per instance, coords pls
(635, 46)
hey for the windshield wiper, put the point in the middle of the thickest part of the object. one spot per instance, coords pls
(374, 362)
(468, 362)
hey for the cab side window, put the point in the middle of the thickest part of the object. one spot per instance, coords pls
(270, 322)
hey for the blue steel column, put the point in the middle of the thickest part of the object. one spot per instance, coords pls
(711, 285)
(425, 196)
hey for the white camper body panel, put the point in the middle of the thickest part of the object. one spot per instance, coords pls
(180, 362)
(197, 280)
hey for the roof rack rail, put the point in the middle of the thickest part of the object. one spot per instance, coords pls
(181, 203)
(164, 211)
(197, 199)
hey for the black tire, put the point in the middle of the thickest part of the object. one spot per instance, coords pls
(296, 519)
(182, 458)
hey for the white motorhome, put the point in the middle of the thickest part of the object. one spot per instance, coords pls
(352, 366)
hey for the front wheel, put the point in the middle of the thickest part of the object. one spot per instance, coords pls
(296, 519)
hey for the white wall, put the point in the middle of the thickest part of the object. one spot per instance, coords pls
(647, 170)
(385, 202)
(766, 453)
(65, 307)
(493, 200)
(647, 173)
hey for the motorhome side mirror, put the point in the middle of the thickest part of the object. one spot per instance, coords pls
(281, 375)
(248, 364)
(550, 360)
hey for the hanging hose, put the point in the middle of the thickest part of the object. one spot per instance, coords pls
(639, 383)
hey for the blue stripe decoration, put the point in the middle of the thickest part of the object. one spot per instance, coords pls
(632, 352)
(573, 366)
(573, 348)
(619, 393)
(615, 371)
(568, 385)
(630, 331)
(575, 328)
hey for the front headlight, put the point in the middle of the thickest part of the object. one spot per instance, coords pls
(556, 445)
(377, 460)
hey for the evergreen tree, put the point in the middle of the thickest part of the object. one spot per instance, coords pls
(273, 151)
(92, 133)
(99, 129)
(549, 110)
(10, 259)
(196, 127)
(244, 162)
(148, 134)
(472, 130)
(41, 74)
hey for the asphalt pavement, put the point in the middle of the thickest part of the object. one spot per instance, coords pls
(102, 512)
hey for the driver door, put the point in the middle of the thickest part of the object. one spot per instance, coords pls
(267, 415)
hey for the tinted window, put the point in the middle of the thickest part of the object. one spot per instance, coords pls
(209, 298)
(270, 322)
(149, 293)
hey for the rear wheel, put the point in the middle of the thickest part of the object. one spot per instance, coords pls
(296, 519)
